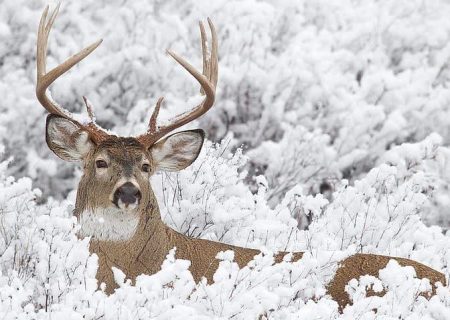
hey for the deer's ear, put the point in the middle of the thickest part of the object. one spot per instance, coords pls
(66, 138)
(178, 150)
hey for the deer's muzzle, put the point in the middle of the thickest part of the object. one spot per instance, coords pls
(127, 196)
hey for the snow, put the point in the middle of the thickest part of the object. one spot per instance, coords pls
(330, 135)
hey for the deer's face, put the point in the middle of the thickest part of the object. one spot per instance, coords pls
(116, 175)
(115, 189)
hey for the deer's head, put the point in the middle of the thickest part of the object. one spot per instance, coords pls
(115, 191)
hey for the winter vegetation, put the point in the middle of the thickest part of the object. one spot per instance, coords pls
(330, 135)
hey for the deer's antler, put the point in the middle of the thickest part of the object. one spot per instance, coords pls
(207, 80)
(45, 79)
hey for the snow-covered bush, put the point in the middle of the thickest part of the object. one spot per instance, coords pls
(381, 212)
(42, 262)
(210, 200)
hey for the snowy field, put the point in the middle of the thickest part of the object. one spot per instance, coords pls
(330, 135)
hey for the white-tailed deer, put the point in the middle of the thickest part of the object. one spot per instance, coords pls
(115, 204)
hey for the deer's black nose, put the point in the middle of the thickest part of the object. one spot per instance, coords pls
(127, 194)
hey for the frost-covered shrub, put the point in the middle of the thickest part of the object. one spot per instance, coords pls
(42, 263)
(299, 158)
(211, 193)
(210, 200)
(381, 212)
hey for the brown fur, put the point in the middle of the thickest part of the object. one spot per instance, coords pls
(370, 264)
(147, 249)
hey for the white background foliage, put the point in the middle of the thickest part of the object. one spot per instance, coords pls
(329, 135)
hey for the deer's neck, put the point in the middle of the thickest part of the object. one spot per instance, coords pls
(108, 224)
(143, 253)
(150, 244)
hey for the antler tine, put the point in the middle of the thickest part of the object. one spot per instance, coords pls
(204, 43)
(214, 71)
(208, 81)
(153, 118)
(210, 66)
(89, 109)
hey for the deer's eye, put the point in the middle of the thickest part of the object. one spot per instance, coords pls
(146, 167)
(101, 164)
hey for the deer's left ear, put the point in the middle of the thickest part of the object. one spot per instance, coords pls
(178, 150)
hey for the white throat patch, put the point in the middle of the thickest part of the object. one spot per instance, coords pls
(108, 224)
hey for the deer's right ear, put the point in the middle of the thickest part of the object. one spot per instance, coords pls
(66, 138)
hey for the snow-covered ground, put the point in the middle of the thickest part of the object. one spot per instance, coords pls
(330, 135)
